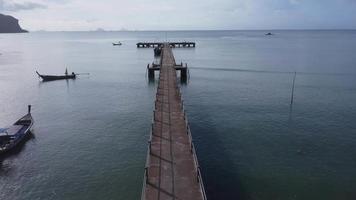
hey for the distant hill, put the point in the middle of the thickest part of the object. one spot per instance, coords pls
(9, 24)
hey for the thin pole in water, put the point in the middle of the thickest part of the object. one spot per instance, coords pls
(292, 97)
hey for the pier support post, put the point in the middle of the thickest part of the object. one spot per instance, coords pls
(183, 74)
(151, 73)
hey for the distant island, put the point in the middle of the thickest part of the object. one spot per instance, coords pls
(9, 24)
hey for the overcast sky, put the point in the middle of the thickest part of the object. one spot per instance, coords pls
(181, 14)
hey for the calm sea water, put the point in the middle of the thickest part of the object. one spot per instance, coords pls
(90, 134)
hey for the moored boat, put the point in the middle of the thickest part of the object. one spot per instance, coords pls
(117, 44)
(11, 136)
(57, 77)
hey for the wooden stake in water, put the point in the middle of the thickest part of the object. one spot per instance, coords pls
(292, 97)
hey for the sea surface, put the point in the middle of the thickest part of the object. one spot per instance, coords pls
(90, 135)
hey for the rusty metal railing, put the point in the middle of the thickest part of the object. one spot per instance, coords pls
(192, 147)
(145, 177)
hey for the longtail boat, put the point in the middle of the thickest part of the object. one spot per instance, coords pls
(14, 134)
(55, 77)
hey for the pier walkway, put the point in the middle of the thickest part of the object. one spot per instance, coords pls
(172, 170)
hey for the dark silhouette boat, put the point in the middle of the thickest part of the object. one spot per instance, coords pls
(269, 34)
(11, 136)
(117, 44)
(55, 77)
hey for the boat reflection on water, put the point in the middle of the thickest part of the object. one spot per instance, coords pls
(5, 167)
(17, 149)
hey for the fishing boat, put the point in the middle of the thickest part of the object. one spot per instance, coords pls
(11, 136)
(56, 77)
(117, 44)
(269, 34)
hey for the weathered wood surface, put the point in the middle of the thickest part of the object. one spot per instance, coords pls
(172, 170)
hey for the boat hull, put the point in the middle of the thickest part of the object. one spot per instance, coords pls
(23, 127)
(53, 78)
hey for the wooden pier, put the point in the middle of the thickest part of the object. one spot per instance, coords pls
(171, 44)
(157, 67)
(172, 170)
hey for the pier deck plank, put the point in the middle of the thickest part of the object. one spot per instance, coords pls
(171, 169)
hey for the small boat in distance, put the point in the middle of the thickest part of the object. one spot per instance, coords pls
(117, 44)
(56, 77)
(14, 134)
(269, 34)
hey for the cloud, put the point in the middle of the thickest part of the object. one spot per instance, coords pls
(14, 6)
(182, 14)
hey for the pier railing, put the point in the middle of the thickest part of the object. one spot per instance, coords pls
(145, 178)
(192, 146)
